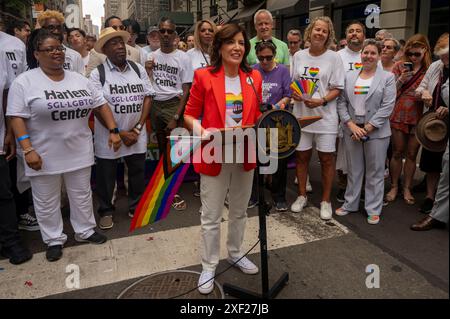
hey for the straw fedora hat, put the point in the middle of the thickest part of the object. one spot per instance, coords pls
(108, 34)
(432, 132)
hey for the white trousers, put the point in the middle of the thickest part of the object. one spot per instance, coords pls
(237, 182)
(46, 191)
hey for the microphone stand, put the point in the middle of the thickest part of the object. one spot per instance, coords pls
(267, 293)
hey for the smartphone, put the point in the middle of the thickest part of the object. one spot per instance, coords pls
(408, 65)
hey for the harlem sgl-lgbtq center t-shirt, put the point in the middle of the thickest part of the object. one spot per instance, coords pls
(56, 114)
(125, 93)
(170, 72)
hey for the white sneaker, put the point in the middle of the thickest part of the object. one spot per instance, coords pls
(325, 210)
(206, 282)
(341, 212)
(299, 204)
(245, 265)
(308, 186)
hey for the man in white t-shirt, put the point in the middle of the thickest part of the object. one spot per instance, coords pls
(53, 21)
(355, 34)
(171, 72)
(15, 53)
(126, 87)
(12, 246)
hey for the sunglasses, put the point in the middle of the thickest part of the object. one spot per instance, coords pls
(209, 30)
(265, 58)
(52, 27)
(416, 54)
(168, 31)
(53, 50)
(118, 27)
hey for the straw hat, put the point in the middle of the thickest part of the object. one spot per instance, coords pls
(432, 132)
(108, 34)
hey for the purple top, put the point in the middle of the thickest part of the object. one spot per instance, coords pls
(275, 83)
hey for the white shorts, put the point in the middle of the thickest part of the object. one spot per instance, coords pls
(325, 143)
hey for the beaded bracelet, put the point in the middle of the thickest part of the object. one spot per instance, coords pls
(28, 150)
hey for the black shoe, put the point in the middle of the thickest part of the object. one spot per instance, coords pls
(17, 254)
(95, 238)
(427, 206)
(252, 203)
(54, 253)
(196, 189)
(340, 197)
(281, 206)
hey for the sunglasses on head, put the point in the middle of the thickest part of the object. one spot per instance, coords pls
(118, 27)
(265, 58)
(168, 31)
(416, 54)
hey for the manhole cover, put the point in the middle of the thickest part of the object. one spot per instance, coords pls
(180, 284)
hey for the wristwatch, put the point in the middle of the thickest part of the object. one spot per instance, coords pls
(138, 126)
(325, 102)
(114, 130)
(176, 117)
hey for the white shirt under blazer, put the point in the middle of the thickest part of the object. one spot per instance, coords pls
(380, 102)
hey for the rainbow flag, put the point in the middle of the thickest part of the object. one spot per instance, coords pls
(157, 199)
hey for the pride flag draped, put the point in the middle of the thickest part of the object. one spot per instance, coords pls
(157, 199)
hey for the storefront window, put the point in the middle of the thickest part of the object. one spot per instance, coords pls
(438, 20)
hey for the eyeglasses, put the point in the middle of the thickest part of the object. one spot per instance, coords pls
(168, 31)
(52, 27)
(416, 54)
(389, 47)
(53, 50)
(265, 58)
(118, 27)
(293, 42)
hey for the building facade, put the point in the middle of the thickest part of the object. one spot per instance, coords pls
(402, 18)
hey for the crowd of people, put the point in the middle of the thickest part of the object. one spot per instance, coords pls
(381, 101)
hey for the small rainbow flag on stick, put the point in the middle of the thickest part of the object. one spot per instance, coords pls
(157, 199)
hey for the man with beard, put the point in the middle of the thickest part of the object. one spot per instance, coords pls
(351, 58)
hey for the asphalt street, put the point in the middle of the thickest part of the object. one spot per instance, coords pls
(325, 260)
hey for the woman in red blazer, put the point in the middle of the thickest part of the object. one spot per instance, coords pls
(224, 95)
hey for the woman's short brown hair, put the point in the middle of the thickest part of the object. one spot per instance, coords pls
(228, 32)
(418, 41)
